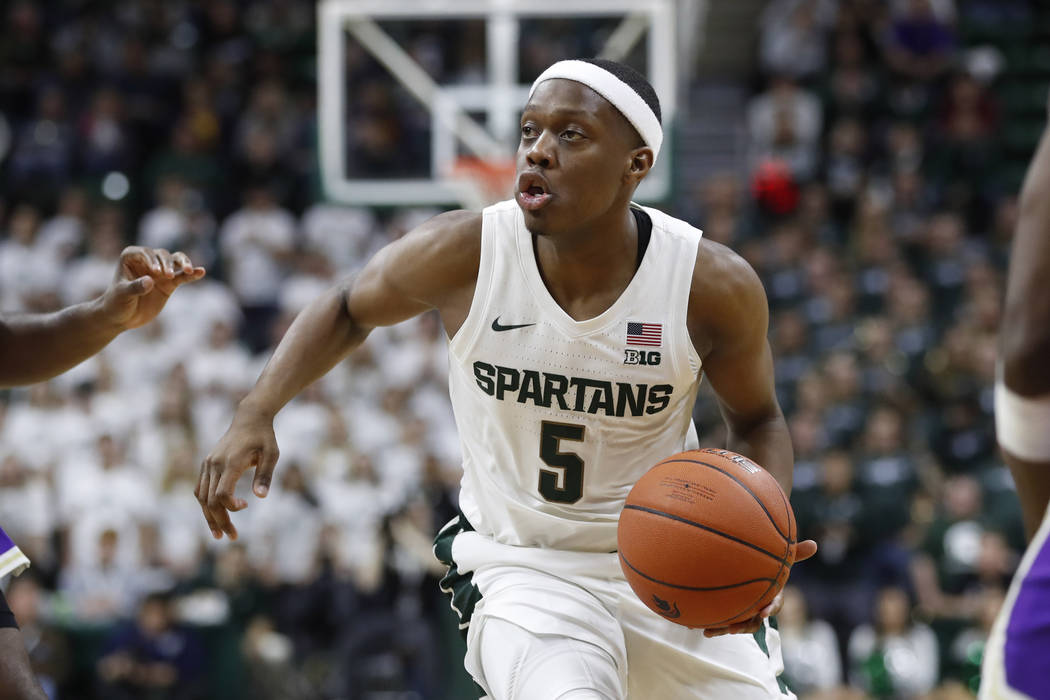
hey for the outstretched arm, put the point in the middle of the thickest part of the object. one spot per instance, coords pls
(35, 347)
(1025, 346)
(728, 321)
(434, 266)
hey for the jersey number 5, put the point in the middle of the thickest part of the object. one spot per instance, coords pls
(565, 467)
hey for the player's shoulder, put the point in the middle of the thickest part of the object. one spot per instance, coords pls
(457, 226)
(434, 262)
(726, 293)
(719, 269)
(450, 238)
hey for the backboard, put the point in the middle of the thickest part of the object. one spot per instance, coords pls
(475, 116)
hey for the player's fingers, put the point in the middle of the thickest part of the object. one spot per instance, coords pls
(134, 262)
(182, 263)
(141, 260)
(746, 627)
(167, 263)
(215, 505)
(221, 516)
(134, 254)
(155, 264)
(264, 470)
(234, 467)
(193, 275)
(201, 492)
(774, 606)
(136, 287)
(804, 550)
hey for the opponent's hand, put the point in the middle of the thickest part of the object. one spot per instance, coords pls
(144, 280)
(249, 442)
(804, 550)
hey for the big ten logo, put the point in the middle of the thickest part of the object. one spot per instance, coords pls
(641, 357)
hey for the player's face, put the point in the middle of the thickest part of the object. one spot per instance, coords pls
(577, 159)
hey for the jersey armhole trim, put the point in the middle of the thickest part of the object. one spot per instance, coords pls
(468, 332)
(684, 355)
(691, 355)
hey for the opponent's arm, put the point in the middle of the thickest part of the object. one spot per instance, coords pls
(35, 347)
(728, 321)
(434, 266)
(1024, 335)
(20, 682)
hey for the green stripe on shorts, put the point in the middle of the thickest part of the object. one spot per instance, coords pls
(459, 586)
(760, 637)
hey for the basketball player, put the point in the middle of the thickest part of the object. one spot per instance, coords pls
(39, 346)
(1019, 647)
(579, 324)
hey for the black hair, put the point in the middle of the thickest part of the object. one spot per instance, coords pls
(633, 78)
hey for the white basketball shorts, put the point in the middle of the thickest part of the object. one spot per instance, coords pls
(617, 644)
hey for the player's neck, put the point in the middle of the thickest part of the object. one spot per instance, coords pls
(587, 270)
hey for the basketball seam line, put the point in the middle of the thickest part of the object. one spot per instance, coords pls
(781, 560)
(694, 588)
(745, 487)
(680, 519)
(783, 563)
(787, 504)
(792, 538)
(789, 540)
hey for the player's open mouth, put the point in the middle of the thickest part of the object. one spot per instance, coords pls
(533, 191)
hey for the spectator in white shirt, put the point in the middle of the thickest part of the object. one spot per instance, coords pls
(223, 364)
(257, 242)
(27, 509)
(62, 235)
(897, 653)
(29, 277)
(104, 482)
(794, 36)
(179, 222)
(105, 588)
(89, 276)
(785, 123)
(812, 660)
(343, 235)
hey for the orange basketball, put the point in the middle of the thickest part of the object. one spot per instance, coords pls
(707, 538)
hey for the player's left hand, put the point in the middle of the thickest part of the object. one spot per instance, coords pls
(144, 280)
(805, 549)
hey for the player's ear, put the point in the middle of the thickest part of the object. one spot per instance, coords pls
(641, 162)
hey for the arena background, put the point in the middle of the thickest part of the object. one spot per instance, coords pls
(864, 156)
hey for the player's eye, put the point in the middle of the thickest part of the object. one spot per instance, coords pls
(527, 132)
(570, 135)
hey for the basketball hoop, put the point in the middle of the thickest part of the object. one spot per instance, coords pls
(482, 181)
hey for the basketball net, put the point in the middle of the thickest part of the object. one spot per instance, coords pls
(482, 181)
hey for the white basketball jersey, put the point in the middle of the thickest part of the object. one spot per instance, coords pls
(559, 418)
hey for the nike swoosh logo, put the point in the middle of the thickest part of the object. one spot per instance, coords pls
(666, 610)
(496, 326)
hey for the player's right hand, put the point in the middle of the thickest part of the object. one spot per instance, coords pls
(249, 442)
(144, 280)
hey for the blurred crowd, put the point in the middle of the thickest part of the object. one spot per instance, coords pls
(190, 126)
(877, 205)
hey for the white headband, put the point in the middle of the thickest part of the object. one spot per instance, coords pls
(622, 96)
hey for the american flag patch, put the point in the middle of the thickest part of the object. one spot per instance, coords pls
(644, 333)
